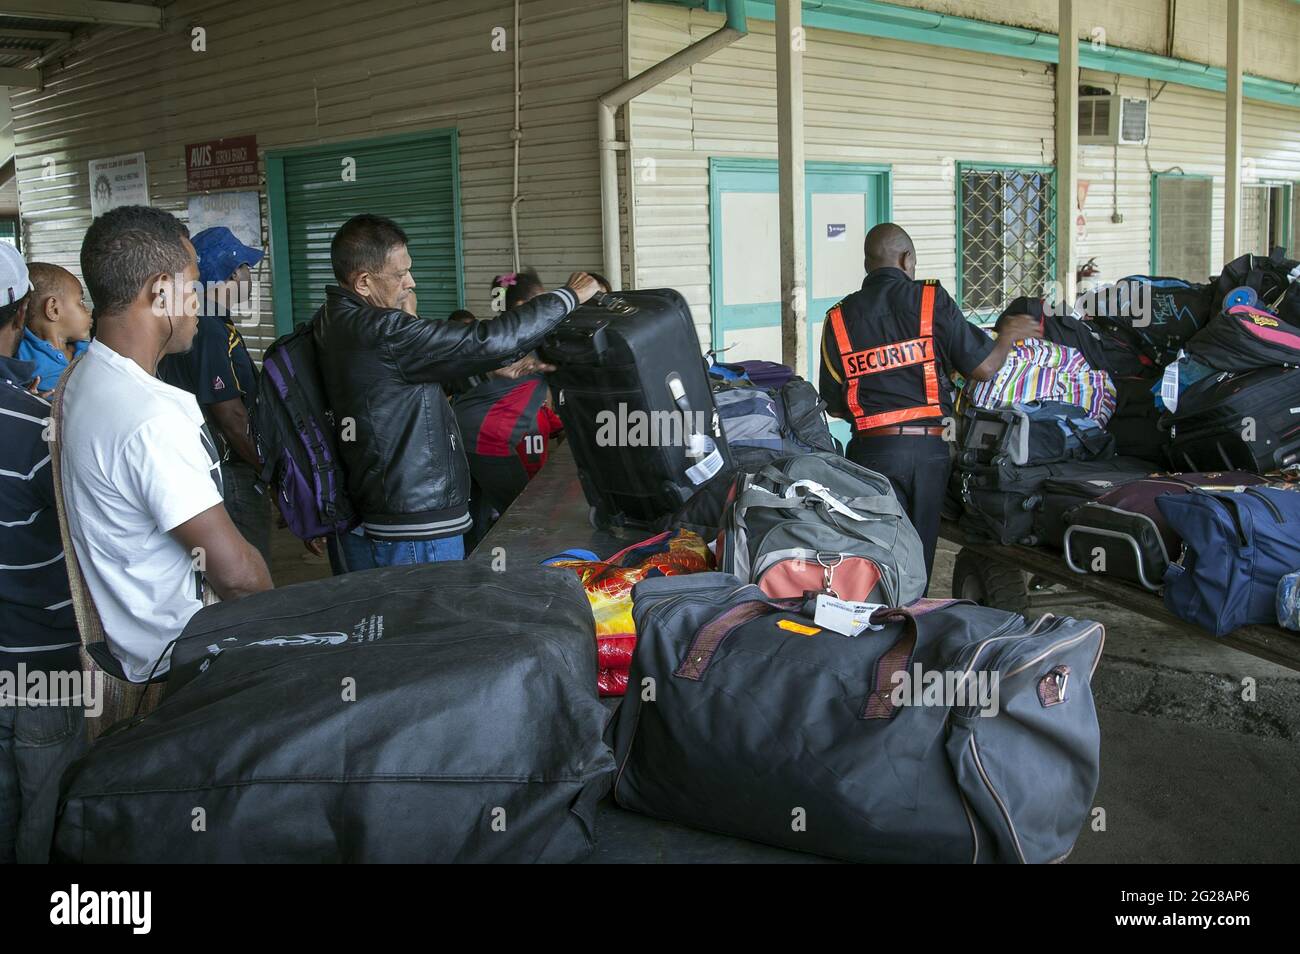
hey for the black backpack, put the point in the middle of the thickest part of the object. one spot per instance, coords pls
(294, 430)
(1268, 277)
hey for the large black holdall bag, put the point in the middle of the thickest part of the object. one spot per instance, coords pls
(751, 720)
(430, 713)
(632, 389)
(1247, 421)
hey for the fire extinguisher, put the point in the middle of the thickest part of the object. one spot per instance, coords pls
(1085, 275)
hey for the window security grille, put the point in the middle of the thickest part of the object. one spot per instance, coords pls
(1008, 236)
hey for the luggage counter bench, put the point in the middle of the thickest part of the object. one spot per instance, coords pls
(997, 575)
(551, 515)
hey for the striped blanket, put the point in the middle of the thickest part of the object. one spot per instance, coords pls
(1044, 371)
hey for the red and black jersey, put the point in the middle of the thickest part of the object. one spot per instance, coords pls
(506, 428)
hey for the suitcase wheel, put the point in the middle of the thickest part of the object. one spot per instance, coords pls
(598, 519)
(988, 583)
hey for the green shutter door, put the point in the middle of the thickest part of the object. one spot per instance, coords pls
(410, 179)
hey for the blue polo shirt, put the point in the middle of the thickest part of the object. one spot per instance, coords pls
(50, 361)
(37, 625)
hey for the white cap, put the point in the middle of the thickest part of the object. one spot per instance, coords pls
(14, 280)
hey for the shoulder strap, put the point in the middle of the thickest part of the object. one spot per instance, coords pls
(89, 624)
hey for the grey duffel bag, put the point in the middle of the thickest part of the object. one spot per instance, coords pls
(742, 716)
(820, 522)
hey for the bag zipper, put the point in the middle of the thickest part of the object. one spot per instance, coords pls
(1006, 815)
(1273, 508)
(1228, 505)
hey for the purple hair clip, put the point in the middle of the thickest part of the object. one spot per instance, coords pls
(506, 280)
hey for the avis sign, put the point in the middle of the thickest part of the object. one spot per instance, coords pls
(221, 164)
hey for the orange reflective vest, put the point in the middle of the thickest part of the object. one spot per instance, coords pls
(859, 364)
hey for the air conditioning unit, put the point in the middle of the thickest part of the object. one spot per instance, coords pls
(1112, 120)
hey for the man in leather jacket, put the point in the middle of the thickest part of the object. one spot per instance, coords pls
(383, 369)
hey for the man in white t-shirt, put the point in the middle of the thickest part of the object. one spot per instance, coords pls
(141, 476)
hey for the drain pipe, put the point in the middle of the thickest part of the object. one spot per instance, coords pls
(515, 135)
(606, 106)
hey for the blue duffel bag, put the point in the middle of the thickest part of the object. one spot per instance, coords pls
(1237, 545)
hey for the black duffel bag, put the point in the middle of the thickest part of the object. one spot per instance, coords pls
(431, 713)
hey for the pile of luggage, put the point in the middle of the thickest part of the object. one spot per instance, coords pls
(789, 685)
(807, 697)
(1152, 436)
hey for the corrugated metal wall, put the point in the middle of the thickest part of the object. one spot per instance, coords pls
(332, 70)
(1186, 135)
(917, 108)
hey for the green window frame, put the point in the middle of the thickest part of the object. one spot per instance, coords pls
(417, 185)
(1024, 209)
(9, 232)
(1159, 267)
(1277, 214)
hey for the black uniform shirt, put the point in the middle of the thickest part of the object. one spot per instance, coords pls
(217, 368)
(887, 310)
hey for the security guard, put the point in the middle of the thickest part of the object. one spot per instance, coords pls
(887, 353)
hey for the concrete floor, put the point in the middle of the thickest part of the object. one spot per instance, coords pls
(1191, 773)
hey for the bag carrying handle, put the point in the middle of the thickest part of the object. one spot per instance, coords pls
(711, 635)
(898, 657)
(1093, 443)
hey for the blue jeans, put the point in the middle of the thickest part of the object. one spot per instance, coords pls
(350, 552)
(37, 743)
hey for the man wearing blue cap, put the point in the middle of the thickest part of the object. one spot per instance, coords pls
(221, 375)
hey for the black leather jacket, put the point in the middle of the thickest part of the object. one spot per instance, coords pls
(382, 370)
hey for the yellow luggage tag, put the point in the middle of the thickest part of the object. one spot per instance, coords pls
(791, 626)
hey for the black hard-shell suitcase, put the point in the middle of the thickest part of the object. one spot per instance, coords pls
(1246, 421)
(618, 365)
(433, 713)
(1004, 502)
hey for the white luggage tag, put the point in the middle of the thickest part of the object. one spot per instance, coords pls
(1169, 385)
(821, 492)
(705, 469)
(843, 616)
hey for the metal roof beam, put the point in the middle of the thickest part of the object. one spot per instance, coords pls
(102, 12)
(54, 36)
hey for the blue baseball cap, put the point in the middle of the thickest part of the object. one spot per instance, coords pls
(220, 253)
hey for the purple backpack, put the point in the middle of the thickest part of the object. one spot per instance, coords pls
(294, 430)
(763, 374)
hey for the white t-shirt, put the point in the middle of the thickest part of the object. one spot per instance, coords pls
(137, 463)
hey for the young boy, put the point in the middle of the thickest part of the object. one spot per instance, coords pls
(58, 324)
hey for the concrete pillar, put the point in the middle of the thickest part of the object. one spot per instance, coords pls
(1067, 146)
(1232, 144)
(790, 164)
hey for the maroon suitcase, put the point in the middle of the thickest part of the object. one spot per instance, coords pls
(1123, 534)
